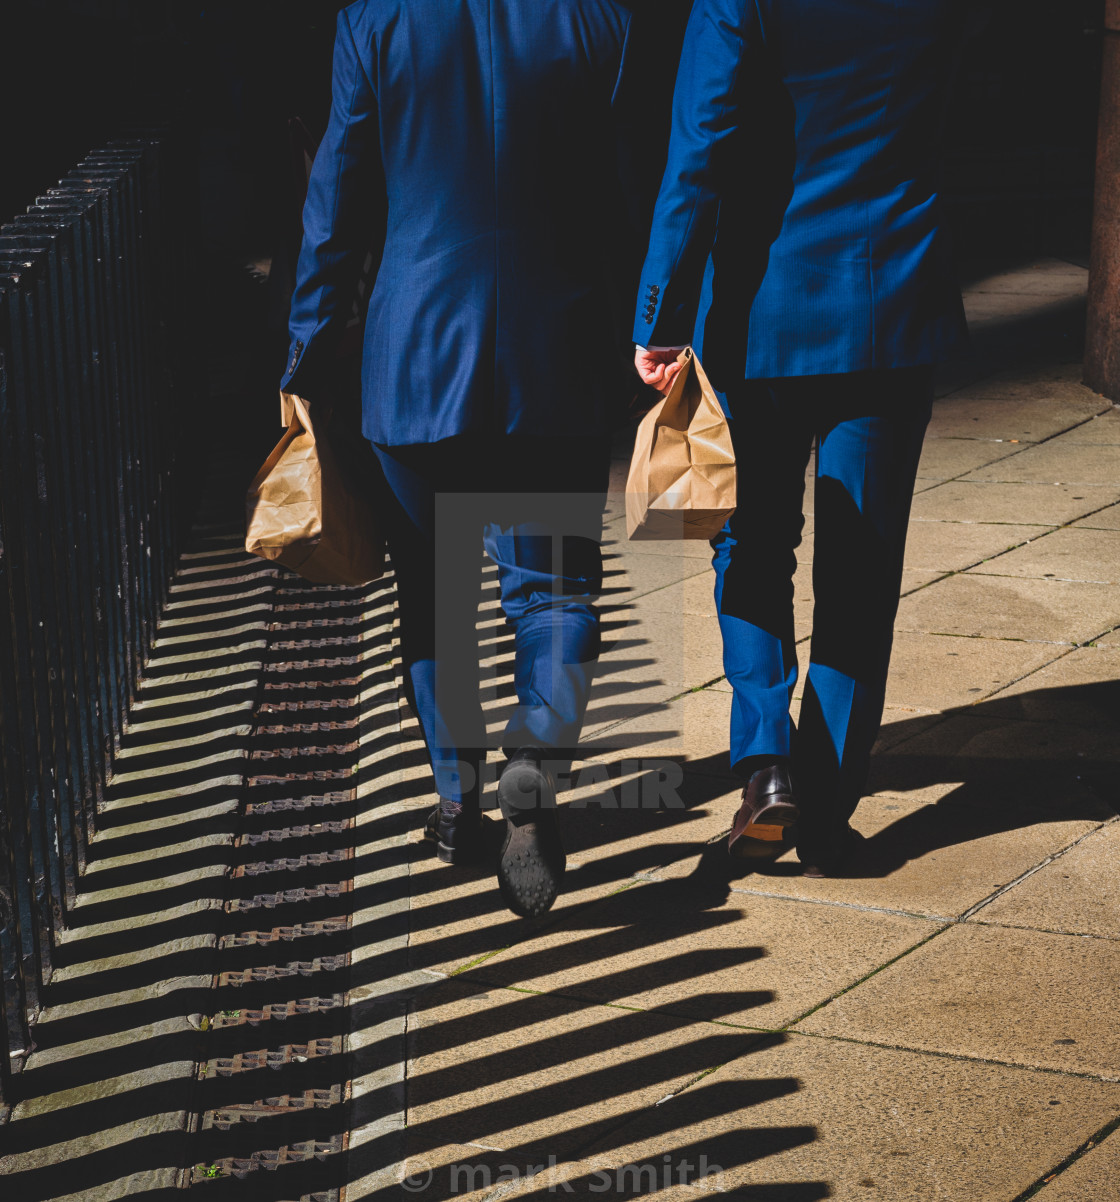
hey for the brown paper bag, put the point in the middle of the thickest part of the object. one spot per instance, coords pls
(304, 511)
(682, 473)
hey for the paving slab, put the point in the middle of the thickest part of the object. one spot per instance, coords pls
(804, 550)
(694, 727)
(621, 699)
(945, 458)
(692, 596)
(1082, 688)
(527, 1073)
(1043, 277)
(951, 378)
(1106, 519)
(987, 744)
(1109, 639)
(1102, 429)
(900, 724)
(985, 606)
(648, 642)
(811, 1119)
(914, 579)
(626, 577)
(993, 993)
(803, 607)
(934, 860)
(1008, 310)
(1095, 1177)
(1067, 554)
(1011, 421)
(937, 671)
(1078, 893)
(937, 859)
(954, 546)
(1043, 330)
(1057, 462)
(608, 845)
(1014, 503)
(926, 767)
(673, 946)
(455, 914)
(644, 663)
(1051, 380)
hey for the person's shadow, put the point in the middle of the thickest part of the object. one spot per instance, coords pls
(1047, 755)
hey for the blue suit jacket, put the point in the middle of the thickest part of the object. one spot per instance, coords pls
(473, 144)
(815, 124)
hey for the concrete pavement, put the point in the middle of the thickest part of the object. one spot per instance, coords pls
(938, 1025)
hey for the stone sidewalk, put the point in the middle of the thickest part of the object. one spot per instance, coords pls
(273, 992)
(941, 1024)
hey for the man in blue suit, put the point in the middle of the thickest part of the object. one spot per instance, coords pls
(475, 145)
(811, 125)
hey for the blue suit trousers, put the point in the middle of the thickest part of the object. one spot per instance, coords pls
(868, 429)
(536, 506)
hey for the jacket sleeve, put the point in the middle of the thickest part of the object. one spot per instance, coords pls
(343, 213)
(706, 115)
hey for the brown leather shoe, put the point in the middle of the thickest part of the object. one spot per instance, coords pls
(767, 810)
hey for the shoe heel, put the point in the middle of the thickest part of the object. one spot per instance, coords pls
(765, 840)
(768, 832)
(522, 789)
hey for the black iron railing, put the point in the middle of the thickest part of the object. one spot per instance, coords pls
(92, 285)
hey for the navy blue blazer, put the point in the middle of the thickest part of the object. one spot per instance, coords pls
(473, 144)
(814, 124)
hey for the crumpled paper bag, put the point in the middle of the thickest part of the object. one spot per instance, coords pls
(682, 473)
(305, 510)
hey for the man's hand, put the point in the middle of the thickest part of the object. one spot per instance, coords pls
(658, 368)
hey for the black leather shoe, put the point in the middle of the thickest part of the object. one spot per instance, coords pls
(531, 862)
(456, 831)
(829, 855)
(767, 812)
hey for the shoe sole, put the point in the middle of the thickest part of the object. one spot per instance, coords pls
(763, 839)
(531, 862)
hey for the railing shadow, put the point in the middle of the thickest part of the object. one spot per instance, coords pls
(209, 867)
(201, 880)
